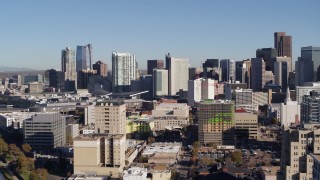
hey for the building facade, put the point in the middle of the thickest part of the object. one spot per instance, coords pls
(124, 69)
(154, 64)
(178, 70)
(160, 82)
(110, 117)
(170, 116)
(45, 130)
(245, 125)
(99, 154)
(216, 122)
(101, 68)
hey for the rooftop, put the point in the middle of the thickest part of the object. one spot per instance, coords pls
(135, 171)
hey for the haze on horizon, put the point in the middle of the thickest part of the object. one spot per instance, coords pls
(33, 33)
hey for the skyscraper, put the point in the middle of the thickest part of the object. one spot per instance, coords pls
(283, 43)
(68, 65)
(123, 71)
(228, 70)
(268, 55)
(312, 53)
(84, 76)
(259, 76)
(160, 82)
(154, 64)
(83, 58)
(178, 74)
(281, 72)
(101, 68)
(305, 65)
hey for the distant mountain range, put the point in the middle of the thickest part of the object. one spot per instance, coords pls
(13, 69)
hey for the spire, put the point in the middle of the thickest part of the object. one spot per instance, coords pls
(288, 95)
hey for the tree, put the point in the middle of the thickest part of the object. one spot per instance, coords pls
(151, 140)
(274, 121)
(39, 174)
(236, 157)
(195, 148)
(3, 147)
(15, 151)
(26, 148)
(206, 161)
(69, 138)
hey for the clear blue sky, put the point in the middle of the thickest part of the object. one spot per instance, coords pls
(33, 32)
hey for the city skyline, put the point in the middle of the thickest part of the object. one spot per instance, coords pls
(34, 33)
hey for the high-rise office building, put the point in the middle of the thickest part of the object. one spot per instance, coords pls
(68, 64)
(83, 57)
(56, 79)
(160, 82)
(154, 64)
(283, 43)
(281, 72)
(312, 53)
(259, 76)
(178, 74)
(268, 55)
(144, 83)
(124, 69)
(200, 89)
(305, 67)
(45, 130)
(101, 68)
(227, 70)
(216, 122)
(84, 76)
(110, 117)
(211, 69)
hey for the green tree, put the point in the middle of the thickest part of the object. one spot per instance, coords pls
(26, 148)
(236, 157)
(39, 174)
(274, 121)
(3, 146)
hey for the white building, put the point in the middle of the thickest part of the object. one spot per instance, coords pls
(73, 130)
(89, 115)
(160, 82)
(289, 111)
(14, 119)
(306, 89)
(124, 69)
(200, 89)
(170, 115)
(135, 173)
(178, 74)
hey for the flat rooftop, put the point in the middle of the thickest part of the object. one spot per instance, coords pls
(162, 148)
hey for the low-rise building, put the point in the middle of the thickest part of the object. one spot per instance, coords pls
(139, 124)
(168, 115)
(162, 153)
(269, 172)
(135, 173)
